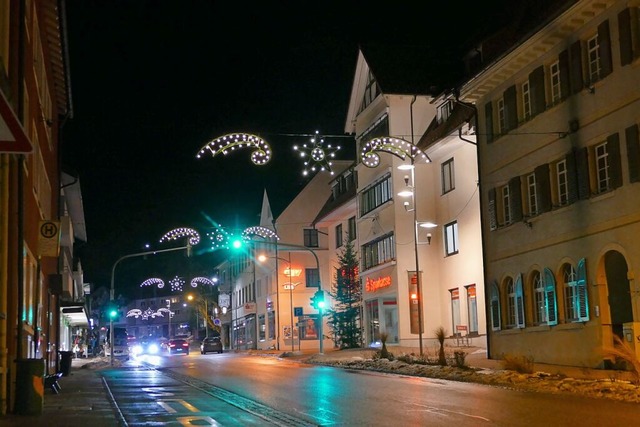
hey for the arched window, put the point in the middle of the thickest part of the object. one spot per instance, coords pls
(494, 301)
(510, 295)
(575, 292)
(539, 301)
(551, 303)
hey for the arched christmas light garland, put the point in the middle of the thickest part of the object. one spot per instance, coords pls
(202, 281)
(149, 313)
(178, 233)
(153, 281)
(226, 143)
(316, 156)
(264, 232)
(370, 157)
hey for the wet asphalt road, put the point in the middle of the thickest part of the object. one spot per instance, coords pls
(237, 389)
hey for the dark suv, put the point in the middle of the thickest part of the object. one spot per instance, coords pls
(211, 344)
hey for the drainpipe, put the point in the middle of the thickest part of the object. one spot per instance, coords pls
(4, 255)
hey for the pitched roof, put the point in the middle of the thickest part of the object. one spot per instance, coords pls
(403, 69)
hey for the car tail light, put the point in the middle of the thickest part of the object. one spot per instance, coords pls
(172, 345)
(185, 344)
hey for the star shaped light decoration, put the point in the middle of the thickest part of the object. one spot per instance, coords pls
(228, 143)
(202, 281)
(317, 157)
(153, 281)
(177, 284)
(370, 154)
(179, 233)
(219, 238)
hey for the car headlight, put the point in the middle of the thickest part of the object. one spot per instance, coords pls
(153, 348)
(136, 349)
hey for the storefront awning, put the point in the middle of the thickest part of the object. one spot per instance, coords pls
(75, 315)
(13, 138)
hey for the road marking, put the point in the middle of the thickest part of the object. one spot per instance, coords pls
(189, 421)
(184, 403)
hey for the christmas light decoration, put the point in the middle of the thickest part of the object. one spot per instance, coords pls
(178, 233)
(148, 313)
(202, 281)
(316, 156)
(265, 233)
(398, 147)
(177, 284)
(153, 281)
(219, 238)
(227, 143)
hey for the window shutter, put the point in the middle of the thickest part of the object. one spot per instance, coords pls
(582, 306)
(536, 81)
(604, 44)
(488, 117)
(515, 199)
(493, 218)
(550, 297)
(633, 152)
(543, 187)
(582, 171)
(510, 108)
(572, 177)
(519, 302)
(615, 164)
(575, 64)
(563, 63)
(495, 307)
(624, 29)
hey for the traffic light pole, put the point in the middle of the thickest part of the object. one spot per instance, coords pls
(112, 293)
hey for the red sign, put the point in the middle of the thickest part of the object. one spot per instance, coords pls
(373, 285)
(13, 139)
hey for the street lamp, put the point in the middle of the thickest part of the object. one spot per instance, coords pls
(263, 258)
(169, 307)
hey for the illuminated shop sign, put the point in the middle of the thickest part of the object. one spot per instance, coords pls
(293, 272)
(372, 285)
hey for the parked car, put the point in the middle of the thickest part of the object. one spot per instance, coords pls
(178, 346)
(211, 344)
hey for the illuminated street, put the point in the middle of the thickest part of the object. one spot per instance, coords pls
(238, 389)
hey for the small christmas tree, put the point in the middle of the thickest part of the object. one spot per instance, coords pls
(345, 317)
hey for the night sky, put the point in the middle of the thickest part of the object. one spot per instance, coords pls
(154, 81)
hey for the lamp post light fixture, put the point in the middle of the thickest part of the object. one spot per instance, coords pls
(263, 258)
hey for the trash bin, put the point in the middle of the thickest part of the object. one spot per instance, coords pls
(30, 386)
(65, 362)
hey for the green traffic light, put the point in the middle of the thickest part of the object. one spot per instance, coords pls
(320, 304)
(113, 313)
(237, 244)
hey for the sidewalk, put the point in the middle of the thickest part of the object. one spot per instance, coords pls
(83, 400)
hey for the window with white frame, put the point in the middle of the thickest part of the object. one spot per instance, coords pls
(378, 251)
(539, 299)
(352, 228)
(575, 292)
(602, 167)
(448, 177)
(444, 111)
(375, 195)
(554, 76)
(312, 277)
(593, 58)
(526, 101)
(502, 120)
(311, 237)
(562, 183)
(515, 302)
(338, 236)
(510, 294)
(451, 238)
(532, 198)
(506, 205)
